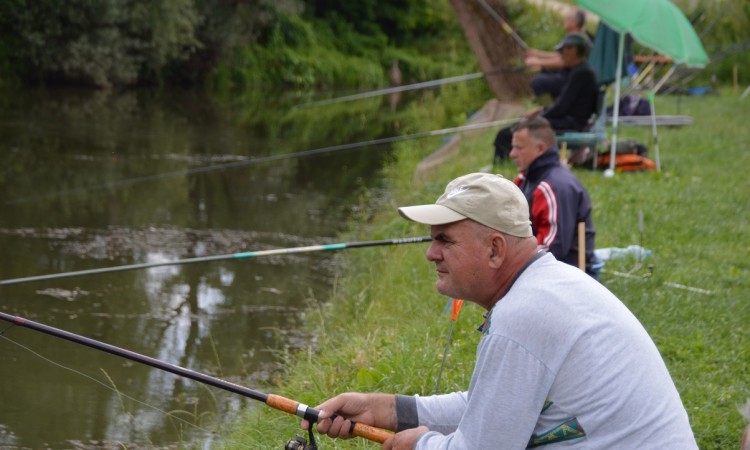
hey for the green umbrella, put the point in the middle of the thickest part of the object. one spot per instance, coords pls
(657, 24)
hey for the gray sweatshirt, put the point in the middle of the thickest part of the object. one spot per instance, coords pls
(562, 363)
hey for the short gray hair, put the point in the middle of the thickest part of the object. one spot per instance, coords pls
(539, 128)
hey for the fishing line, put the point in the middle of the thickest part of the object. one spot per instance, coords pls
(89, 377)
(270, 158)
(6, 329)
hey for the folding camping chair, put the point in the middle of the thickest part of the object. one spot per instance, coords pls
(593, 135)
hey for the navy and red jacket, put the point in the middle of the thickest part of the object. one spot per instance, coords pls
(557, 203)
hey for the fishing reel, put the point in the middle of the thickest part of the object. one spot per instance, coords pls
(300, 443)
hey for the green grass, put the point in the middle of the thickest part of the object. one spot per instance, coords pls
(382, 329)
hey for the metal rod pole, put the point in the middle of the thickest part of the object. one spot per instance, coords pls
(411, 87)
(408, 87)
(615, 112)
(274, 401)
(504, 25)
(242, 255)
(271, 158)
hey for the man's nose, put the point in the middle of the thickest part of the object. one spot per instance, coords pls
(432, 254)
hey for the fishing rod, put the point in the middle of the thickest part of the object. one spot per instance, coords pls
(392, 90)
(230, 256)
(504, 25)
(410, 87)
(274, 401)
(264, 159)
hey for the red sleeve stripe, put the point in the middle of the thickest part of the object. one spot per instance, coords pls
(551, 199)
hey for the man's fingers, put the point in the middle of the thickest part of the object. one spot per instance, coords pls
(336, 428)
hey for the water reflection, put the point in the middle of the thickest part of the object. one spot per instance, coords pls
(82, 186)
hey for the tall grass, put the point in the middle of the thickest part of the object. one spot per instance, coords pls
(383, 327)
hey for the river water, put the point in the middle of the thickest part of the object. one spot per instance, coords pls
(100, 179)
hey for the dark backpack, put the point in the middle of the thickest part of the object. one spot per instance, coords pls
(634, 105)
(630, 147)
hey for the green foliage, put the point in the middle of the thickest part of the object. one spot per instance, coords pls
(348, 44)
(230, 44)
(398, 21)
(303, 67)
(539, 27)
(235, 45)
(724, 29)
(382, 329)
(100, 43)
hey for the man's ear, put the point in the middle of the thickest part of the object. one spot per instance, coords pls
(498, 250)
(541, 147)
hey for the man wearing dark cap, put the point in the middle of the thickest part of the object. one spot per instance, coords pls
(573, 108)
(553, 73)
(561, 361)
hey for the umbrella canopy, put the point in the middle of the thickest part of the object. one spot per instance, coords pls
(657, 24)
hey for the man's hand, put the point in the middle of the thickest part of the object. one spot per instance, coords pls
(377, 410)
(533, 62)
(539, 59)
(405, 440)
(536, 53)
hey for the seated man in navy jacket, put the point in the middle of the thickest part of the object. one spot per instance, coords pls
(557, 200)
(573, 108)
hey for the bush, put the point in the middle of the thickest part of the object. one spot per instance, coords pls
(96, 43)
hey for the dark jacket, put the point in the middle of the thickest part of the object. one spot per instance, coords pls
(557, 203)
(577, 100)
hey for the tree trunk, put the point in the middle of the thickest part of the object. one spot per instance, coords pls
(496, 50)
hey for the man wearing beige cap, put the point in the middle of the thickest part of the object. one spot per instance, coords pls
(561, 361)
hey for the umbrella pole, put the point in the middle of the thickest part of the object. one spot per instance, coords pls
(616, 112)
(652, 100)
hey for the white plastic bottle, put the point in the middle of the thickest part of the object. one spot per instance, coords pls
(609, 253)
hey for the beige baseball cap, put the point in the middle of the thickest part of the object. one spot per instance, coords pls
(492, 200)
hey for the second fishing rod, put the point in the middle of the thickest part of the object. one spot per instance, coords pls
(231, 256)
(274, 401)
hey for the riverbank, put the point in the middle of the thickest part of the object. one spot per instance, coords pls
(383, 327)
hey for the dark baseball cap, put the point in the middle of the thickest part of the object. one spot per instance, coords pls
(580, 40)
